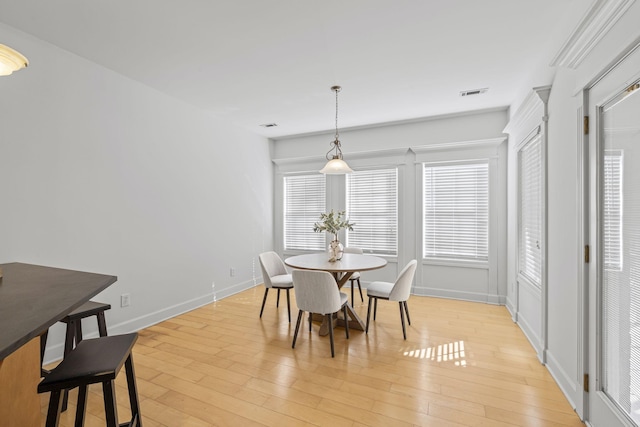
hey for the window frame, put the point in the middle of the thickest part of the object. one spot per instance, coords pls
(457, 260)
(321, 246)
(348, 204)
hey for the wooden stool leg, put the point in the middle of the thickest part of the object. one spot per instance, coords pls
(102, 324)
(133, 392)
(68, 346)
(82, 405)
(55, 406)
(70, 337)
(110, 405)
(43, 347)
(78, 324)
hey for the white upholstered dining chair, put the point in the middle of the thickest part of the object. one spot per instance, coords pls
(317, 292)
(276, 276)
(355, 277)
(398, 291)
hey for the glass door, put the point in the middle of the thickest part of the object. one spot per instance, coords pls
(614, 353)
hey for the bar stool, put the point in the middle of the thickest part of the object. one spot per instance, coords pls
(74, 331)
(94, 361)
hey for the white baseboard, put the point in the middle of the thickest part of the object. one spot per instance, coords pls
(534, 339)
(512, 310)
(567, 384)
(460, 295)
(235, 289)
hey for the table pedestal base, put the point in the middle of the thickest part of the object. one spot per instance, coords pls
(354, 321)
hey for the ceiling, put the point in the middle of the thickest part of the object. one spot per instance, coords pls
(253, 62)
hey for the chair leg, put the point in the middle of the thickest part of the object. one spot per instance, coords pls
(404, 332)
(79, 337)
(353, 302)
(346, 320)
(310, 319)
(266, 291)
(360, 289)
(330, 320)
(278, 299)
(288, 306)
(295, 334)
(81, 408)
(55, 406)
(406, 309)
(366, 329)
(110, 407)
(43, 347)
(375, 308)
(134, 401)
(68, 346)
(102, 324)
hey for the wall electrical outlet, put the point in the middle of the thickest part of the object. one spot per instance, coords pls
(232, 272)
(125, 300)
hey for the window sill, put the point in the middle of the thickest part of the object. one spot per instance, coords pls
(484, 265)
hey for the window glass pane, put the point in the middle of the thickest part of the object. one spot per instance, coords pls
(456, 211)
(619, 204)
(530, 221)
(372, 204)
(304, 201)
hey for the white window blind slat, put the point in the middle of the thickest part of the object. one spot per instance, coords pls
(612, 205)
(304, 201)
(456, 211)
(372, 204)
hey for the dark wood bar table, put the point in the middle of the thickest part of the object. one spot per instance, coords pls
(32, 298)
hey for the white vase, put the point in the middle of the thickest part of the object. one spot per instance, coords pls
(335, 250)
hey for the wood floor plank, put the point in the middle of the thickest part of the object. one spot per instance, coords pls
(462, 364)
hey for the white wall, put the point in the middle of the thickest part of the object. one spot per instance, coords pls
(407, 145)
(100, 173)
(566, 332)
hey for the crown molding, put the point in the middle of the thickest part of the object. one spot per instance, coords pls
(593, 26)
(458, 145)
(533, 104)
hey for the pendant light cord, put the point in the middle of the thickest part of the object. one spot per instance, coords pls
(335, 144)
(337, 89)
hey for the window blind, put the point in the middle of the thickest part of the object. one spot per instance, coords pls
(304, 201)
(530, 195)
(372, 204)
(456, 211)
(612, 205)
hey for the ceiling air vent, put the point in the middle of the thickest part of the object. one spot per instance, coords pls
(269, 125)
(474, 92)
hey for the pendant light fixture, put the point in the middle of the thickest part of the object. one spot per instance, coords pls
(11, 60)
(335, 164)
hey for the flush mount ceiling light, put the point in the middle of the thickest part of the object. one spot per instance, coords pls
(335, 165)
(11, 60)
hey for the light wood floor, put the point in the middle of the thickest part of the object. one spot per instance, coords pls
(463, 364)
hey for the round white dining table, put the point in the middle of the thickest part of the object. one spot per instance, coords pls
(342, 271)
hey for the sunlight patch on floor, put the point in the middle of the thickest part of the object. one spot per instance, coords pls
(450, 352)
